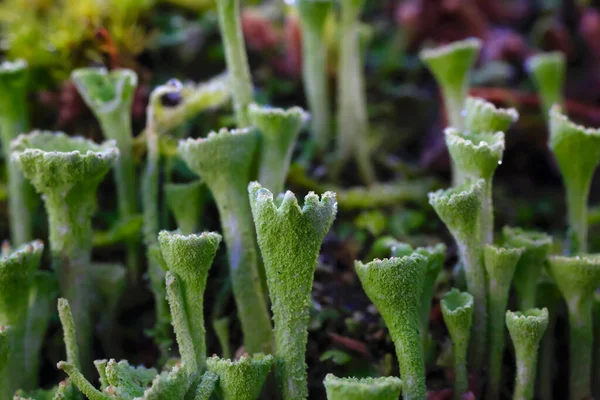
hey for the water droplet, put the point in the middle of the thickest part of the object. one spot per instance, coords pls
(500, 162)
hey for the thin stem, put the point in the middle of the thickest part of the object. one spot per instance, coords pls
(237, 60)
(577, 198)
(353, 124)
(117, 126)
(236, 220)
(547, 358)
(581, 339)
(313, 15)
(461, 378)
(471, 254)
(21, 200)
(497, 306)
(487, 214)
(525, 376)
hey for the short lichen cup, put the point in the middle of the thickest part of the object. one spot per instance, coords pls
(457, 311)
(279, 130)
(460, 209)
(289, 238)
(190, 258)
(224, 161)
(577, 152)
(526, 331)
(500, 264)
(577, 279)
(17, 281)
(242, 379)
(394, 286)
(548, 73)
(477, 155)
(536, 247)
(481, 116)
(67, 171)
(385, 388)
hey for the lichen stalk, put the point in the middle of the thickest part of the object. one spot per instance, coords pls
(289, 238)
(14, 120)
(224, 161)
(353, 123)
(313, 14)
(237, 59)
(110, 96)
(577, 279)
(500, 264)
(526, 331)
(460, 209)
(394, 286)
(457, 311)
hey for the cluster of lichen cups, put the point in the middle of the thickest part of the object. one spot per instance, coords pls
(273, 243)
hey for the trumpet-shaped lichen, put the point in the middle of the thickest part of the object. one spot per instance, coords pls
(577, 278)
(567, 139)
(500, 264)
(67, 171)
(482, 116)
(386, 388)
(110, 95)
(289, 238)
(224, 161)
(186, 201)
(279, 130)
(394, 285)
(242, 379)
(548, 73)
(526, 331)
(460, 208)
(457, 310)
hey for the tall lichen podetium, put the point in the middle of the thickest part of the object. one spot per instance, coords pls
(17, 281)
(451, 66)
(242, 379)
(313, 15)
(500, 264)
(289, 238)
(567, 139)
(477, 155)
(186, 202)
(224, 161)
(394, 286)
(526, 331)
(353, 121)
(67, 171)
(460, 208)
(110, 95)
(279, 130)
(237, 59)
(385, 388)
(14, 120)
(577, 279)
(189, 258)
(536, 246)
(548, 73)
(457, 311)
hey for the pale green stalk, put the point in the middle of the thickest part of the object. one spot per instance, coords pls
(289, 238)
(352, 118)
(186, 202)
(526, 331)
(14, 120)
(237, 60)
(110, 96)
(457, 311)
(313, 14)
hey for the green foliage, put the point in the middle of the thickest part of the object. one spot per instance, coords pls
(289, 238)
(526, 331)
(242, 379)
(457, 310)
(387, 388)
(394, 285)
(224, 161)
